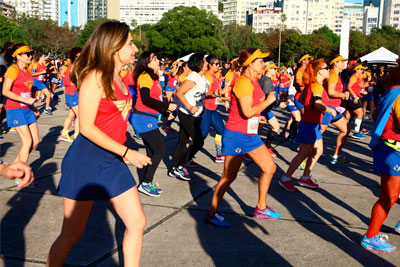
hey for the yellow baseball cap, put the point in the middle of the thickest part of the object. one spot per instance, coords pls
(305, 57)
(22, 49)
(257, 54)
(339, 58)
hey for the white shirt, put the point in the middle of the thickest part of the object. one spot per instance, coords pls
(196, 95)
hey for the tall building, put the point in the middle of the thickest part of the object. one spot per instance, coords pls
(44, 9)
(235, 10)
(264, 18)
(73, 12)
(354, 11)
(391, 13)
(97, 9)
(151, 11)
(6, 10)
(371, 18)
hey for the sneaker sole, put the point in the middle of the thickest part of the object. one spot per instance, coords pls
(265, 217)
(397, 230)
(59, 139)
(179, 177)
(307, 185)
(355, 137)
(147, 193)
(372, 248)
(287, 188)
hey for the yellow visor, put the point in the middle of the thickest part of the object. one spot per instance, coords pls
(305, 57)
(339, 58)
(257, 54)
(22, 49)
(360, 67)
(271, 66)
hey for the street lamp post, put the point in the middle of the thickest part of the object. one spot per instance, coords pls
(283, 19)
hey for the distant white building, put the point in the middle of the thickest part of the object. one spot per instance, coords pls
(263, 19)
(371, 18)
(151, 11)
(235, 10)
(44, 9)
(391, 13)
(354, 11)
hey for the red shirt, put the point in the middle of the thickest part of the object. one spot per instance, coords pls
(112, 115)
(172, 80)
(215, 84)
(127, 78)
(145, 80)
(38, 68)
(392, 127)
(244, 86)
(21, 86)
(311, 113)
(334, 78)
(285, 81)
(356, 85)
(69, 87)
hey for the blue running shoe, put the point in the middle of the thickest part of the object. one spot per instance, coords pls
(218, 221)
(378, 243)
(358, 136)
(155, 187)
(267, 213)
(397, 227)
(146, 189)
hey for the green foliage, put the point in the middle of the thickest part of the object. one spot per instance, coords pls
(183, 30)
(238, 37)
(10, 32)
(88, 30)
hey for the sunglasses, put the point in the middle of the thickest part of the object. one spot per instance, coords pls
(326, 68)
(217, 64)
(28, 54)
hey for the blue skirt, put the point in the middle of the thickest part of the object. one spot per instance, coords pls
(236, 143)
(38, 85)
(20, 116)
(386, 160)
(72, 100)
(89, 172)
(308, 133)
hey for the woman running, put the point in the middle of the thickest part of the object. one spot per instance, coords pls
(39, 71)
(147, 113)
(240, 137)
(17, 88)
(336, 95)
(309, 135)
(385, 144)
(71, 98)
(93, 168)
(368, 99)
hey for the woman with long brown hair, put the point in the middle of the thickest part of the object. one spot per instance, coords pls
(93, 168)
(240, 137)
(309, 135)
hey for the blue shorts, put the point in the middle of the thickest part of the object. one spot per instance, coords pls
(38, 85)
(72, 100)
(143, 123)
(170, 88)
(89, 172)
(235, 143)
(327, 119)
(267, 114)
(20, 116)
(284, 90)
(298, 104)
(308, 133)
(386, 160)
(369, 97)
(292, 108)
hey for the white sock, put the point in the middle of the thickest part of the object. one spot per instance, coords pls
(286, 179)
(335, 156)
(357, 125)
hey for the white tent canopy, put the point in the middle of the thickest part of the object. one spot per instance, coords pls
(380, 56)
(185, 58)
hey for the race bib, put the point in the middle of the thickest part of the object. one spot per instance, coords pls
(340, 109)
(252, 125)
(218, 101)
(25, 95)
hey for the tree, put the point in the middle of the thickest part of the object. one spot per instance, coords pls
(238, 37)
(358, 44)
(183, 30)
(10, 32)
(89, 28)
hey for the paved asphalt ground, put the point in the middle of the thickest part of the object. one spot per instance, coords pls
(320, 227)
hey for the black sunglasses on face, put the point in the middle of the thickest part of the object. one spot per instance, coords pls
(326, 68)
(217, 64)
(28, 54)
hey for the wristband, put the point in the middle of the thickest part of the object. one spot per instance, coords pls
(126, 151)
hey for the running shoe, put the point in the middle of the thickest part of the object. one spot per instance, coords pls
(167, 128)
(48, 111)
(366, 117)
(192, 164)
(217, 220)
(66, 138)
(12, 129)
(267, 213)
(340, 160)
(364, 131)
(288, 185)
(179, 173)
(146, 189)
(307, 182)
(303, 165)
(220, 159)
(272, 152)
(397, 227)
(378, 243)
(358, 136)
(1, 135)
(156, 187)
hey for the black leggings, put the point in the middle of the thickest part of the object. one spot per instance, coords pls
(190, 127)
(155, 149)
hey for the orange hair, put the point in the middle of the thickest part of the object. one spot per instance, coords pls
(310, 74)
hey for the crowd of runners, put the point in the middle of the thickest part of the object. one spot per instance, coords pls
(113, 89)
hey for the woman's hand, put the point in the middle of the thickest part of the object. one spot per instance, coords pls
(193, 109)
(263, 120)
(172, 106)
(170, 117)
(30, 101)
(137, 159)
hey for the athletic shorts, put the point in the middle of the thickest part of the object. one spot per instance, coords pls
(308, 133)
(350, 106)
(72, 100)
(38, 85)
(327, 119)
(267, 114)
(170, 88)
(20, 116)
(283, 90)
(236, 143)
(292, 108)
(386, 160)
(369, 97)
(298, 104)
